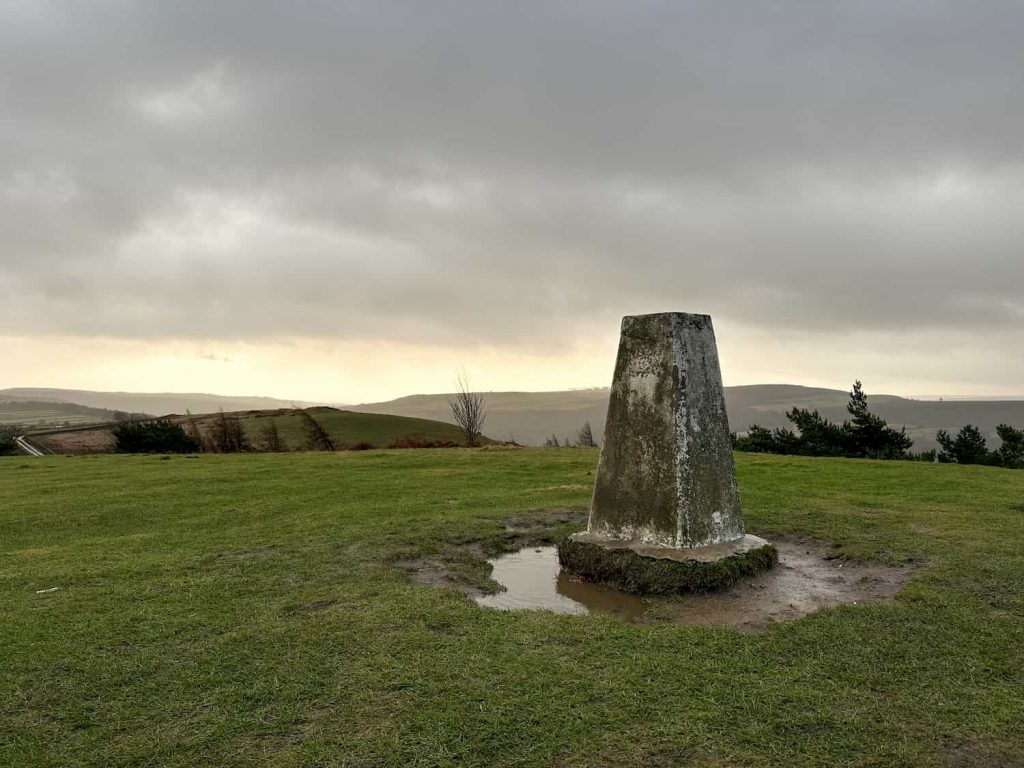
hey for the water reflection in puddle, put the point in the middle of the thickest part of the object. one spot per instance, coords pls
(534, 580)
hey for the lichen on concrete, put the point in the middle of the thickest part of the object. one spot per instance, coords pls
(666, 478)
(666, 475)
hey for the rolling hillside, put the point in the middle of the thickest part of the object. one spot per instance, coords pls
(530, 417)
(345, 428)
(30, 414)
(156, 403)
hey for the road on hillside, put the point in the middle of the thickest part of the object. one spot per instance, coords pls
(24, 445)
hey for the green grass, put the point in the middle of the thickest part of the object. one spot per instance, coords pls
(241, 610)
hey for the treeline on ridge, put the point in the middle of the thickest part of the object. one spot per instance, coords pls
(867, 436)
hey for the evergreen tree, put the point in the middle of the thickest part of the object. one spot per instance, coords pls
(818, 435)
(869, 435)
(1011, 452)
(968, 447)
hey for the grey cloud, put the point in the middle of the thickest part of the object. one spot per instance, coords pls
(505, 173)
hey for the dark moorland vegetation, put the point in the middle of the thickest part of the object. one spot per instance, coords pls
(246, 610)
(7, 445)
(155, 436)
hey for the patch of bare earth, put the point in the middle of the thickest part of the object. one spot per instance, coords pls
(448, 569)
(970, 754)
(808, 578)
(435, 573)
(77, 441)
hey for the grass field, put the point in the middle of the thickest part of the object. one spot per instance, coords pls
(241, 610)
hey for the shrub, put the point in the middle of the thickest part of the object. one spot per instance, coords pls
(410, 441)
(7, 445)
(157, 436)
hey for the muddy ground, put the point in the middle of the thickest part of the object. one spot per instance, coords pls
(524, 575)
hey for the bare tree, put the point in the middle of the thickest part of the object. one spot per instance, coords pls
(317, 438)
(192, 430)
(585, 437)
(270, 438)
(552, 442)
(228, 434)
(468, 410)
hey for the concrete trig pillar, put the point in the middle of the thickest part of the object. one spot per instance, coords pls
(666, 511)
(666, 475)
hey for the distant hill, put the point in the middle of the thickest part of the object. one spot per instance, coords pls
(346, 428)
(38, 414)
(154, 403)
(530, 417)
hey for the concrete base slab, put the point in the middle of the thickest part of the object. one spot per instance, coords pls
(708, 554)
(643, 569)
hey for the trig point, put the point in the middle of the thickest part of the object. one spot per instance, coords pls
(666, 513)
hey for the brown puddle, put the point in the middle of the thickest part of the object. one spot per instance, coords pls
(534, 581)
(806, 580)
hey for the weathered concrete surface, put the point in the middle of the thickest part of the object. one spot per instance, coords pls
(666, 476)
(709, 554)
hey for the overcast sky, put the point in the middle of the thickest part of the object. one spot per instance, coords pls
(344, 201)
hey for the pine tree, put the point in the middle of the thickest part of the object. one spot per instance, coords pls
(869, 435)
(1011, 452)
(968, 447)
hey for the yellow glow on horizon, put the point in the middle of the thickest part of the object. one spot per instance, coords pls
(327, 370)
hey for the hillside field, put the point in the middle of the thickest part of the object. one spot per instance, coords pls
(346, 428)
(246, 610)
(531, 417)
(32, 415)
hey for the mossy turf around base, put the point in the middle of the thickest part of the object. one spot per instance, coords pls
(633, 572)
